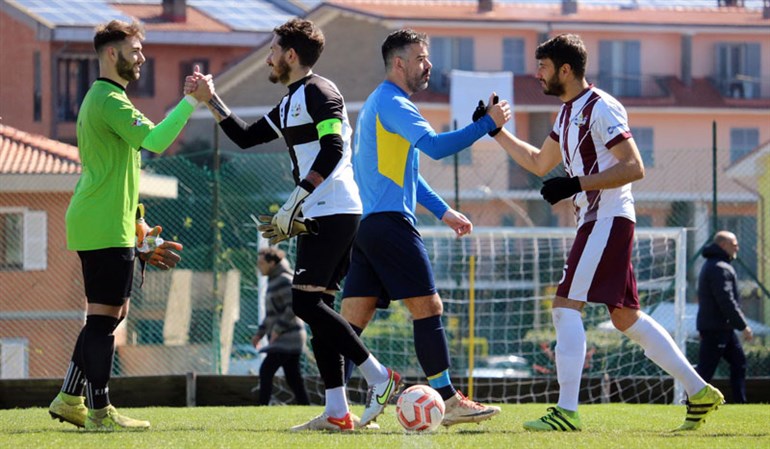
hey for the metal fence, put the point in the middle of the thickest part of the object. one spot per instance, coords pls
(200, 317)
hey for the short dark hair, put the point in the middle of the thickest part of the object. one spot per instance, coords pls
(565, 49)
(397, 41)
(116, 31)
(272, 254)
(304, 37)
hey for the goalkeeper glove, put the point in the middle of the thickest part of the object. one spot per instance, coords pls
(556, 189)
(164, 255)
(481, 111)
(284, 219)
(274, 235)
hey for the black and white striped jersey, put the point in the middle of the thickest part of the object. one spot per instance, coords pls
(309, 102)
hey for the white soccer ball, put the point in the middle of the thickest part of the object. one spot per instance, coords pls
(420, 409)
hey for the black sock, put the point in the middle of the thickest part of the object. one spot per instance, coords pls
(98, 353)
(349, 365)
(75, 379)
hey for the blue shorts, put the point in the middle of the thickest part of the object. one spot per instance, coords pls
(389, 261)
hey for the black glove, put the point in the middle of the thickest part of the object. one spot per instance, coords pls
(556, 189)
(481, 111)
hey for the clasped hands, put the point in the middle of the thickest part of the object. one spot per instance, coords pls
(498, 111)
(199, 86)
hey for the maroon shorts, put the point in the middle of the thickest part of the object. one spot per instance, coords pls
(599, 268)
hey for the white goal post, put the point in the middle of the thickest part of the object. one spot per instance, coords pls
(516, 271)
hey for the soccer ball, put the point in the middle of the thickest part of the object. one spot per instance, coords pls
(420, 409)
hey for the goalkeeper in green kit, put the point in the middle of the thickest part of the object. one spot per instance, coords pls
(105, 224)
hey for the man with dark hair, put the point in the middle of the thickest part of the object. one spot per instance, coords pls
(105, 223)
(720, 314)
(313, 120)
(591, 137)
(390, 261)
(286, 332)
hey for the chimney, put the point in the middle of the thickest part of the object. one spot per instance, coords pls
(766, 9)
(486, 5)
(569, 7)
(175, 10)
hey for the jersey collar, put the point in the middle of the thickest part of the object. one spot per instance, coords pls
(107, 80)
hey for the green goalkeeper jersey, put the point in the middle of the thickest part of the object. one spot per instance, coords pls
(110, 131)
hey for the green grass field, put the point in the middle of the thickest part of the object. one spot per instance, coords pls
(606, 426)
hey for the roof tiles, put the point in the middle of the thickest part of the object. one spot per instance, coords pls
(25, 153)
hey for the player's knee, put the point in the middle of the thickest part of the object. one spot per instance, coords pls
(305, 304)
(424, 307)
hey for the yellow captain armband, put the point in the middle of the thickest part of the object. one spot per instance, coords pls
(329, 126)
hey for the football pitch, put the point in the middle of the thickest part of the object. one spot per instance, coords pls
(606, 426)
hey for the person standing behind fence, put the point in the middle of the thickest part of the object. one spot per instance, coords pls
(720, 315)
(105, 223)
(286, 332)
(592, 139)
(313, 121)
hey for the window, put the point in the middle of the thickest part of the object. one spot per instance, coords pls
(645, 142)
(145, 85)
(464, 157)
(37, 88)
(737, 72)
(14, 358)
(447, 53)
(513, 55)
(75, 76)
(23, 239)
(643, 221)
(742, 141)
(620, 71)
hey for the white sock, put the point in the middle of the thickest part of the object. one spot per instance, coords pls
(660, 348)
(570, 355)
(336, 403)
(373, 371)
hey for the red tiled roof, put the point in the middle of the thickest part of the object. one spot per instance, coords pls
(509, 12)
(25, 153)
(152, 17)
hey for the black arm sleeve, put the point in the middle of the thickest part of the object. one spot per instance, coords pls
(246, 136)
(328, 156)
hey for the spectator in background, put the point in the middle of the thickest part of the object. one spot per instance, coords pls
(719, 314)
(286, 332)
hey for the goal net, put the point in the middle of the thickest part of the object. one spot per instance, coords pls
(497, 286)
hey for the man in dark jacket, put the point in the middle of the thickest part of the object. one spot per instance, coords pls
(285, 331)
(719, 314)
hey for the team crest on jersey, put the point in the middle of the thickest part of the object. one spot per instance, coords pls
(137, 122)
(295, 111)
(579, 121)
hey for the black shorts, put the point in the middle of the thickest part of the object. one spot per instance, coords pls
(108, 274)
(389, 261)
(323, 259)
